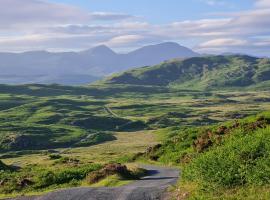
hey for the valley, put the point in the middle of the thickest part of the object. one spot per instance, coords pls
(55, 136)
(134, 100)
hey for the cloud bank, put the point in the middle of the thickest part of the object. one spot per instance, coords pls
(37, 24)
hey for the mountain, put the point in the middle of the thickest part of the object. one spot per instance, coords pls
(82, 67)
(155, 54)
(201, 72)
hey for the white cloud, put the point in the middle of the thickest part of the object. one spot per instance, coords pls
(37, 24)
(50, 42)
(124, 40)
(24, 14)
(263, 3)
(223, 42)
(108, 16)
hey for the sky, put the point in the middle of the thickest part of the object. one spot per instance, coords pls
(206, 26)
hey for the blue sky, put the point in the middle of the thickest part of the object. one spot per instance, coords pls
(163, 11)
(206, 26)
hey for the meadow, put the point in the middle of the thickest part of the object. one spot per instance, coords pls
(59, 127)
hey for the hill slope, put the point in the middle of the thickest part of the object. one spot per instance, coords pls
(224, 161)
(201, 72)
(74, 68)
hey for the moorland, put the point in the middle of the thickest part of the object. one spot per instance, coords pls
(208, 116)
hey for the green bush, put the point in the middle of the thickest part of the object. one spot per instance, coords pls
(55, 156)
(3, 166)
(243, 159)
(41, 178)
(45, 178)
(115, 169)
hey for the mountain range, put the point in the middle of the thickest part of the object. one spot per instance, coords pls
(75, 68)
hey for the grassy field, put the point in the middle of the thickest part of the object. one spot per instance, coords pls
(71, 164)
(34, 118)
(60, 127)
(54, 136)
(125, 145)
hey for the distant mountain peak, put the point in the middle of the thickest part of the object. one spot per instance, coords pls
(100, 50)
(168, 44)
(165, 45)
(169, 50)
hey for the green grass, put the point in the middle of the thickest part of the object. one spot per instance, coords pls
(64, 168)
(210, 72)
(74, 115)
(102, 123)
(115, 175)
(33, 178)
(191, 191)
(112, 181)
(219, 159)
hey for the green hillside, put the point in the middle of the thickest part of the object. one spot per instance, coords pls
(34, 117)
(48, 132)
(37, 117)
(224, 161)
(201, 73)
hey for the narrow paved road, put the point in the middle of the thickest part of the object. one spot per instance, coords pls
(151, 187)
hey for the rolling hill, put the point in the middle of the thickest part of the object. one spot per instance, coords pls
(201, 73)
(76, 68)
(48, 133)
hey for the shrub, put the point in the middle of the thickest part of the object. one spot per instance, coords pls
(67, 160)
(108, 170)
(243, 159)
(46, 177)
(3, 166)
(55, 156)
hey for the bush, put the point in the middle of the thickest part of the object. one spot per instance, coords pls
(55, 156)
(3, 166)
(46, 178)
(96, 138)
(243, 159)
(67, 160)
(108, 170)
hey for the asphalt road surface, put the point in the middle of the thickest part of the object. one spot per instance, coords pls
(151, 187)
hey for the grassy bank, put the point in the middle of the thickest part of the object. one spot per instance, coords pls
(218, 159)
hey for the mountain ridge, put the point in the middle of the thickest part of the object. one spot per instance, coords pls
(200, 72)
(96, 62)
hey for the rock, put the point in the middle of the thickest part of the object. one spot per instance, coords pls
(24, 182)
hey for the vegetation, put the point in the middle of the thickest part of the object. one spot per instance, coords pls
(229, 156)
(115, 169)
(4, 167)
(120, 179)
(37, 178)
(69, 173)
(32, 165)
(201, 73)
(37, 117)
(112, 181)
(54, 136)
